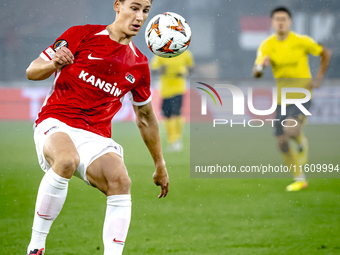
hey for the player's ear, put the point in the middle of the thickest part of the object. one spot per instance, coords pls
(272, 23)
(290, 21)
(116, 5)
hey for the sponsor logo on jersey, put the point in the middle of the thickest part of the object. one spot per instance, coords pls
(94, 58)
(130, 78)
(59, 44)
(101, 84)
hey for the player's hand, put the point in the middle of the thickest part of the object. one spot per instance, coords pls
(161, 178)
(62, 57)
(258, 69)
(315, 83)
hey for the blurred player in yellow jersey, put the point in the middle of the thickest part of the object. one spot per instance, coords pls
(173, 73)
(287, 53)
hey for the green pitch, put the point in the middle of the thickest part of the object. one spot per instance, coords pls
(199, 216)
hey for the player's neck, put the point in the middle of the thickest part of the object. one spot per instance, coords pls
(118, 36)
(282, 36)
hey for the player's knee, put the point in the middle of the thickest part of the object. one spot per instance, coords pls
(283, 145)
(120, 183)
(67, 165)
(292, 128)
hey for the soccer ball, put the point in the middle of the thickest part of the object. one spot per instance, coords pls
(168, 35)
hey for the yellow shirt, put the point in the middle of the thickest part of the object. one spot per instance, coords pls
(176, 70)
(289, 60)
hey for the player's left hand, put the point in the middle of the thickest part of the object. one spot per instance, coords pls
(315, 83)
(161, 178)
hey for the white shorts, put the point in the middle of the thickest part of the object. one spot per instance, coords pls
(90, 146)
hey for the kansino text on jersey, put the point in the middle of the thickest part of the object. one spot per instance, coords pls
(255, 123)
(97, 82)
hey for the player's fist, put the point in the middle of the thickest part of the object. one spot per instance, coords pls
(258, 71)
(62, 57)
(161, 178)
(315, 84)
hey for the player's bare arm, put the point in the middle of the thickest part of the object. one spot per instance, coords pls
(325, 57)
(148, 126)
(40, 69)
(258, 69)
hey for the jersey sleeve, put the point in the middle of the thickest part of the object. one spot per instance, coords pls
(71, 39)
(141, 94)
(262, 52)
(311, 46)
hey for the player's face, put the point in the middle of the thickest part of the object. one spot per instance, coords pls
(131, 15)
(281, 22)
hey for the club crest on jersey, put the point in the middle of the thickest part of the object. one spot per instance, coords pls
(101, 84)
(130, 78)
(59, 44)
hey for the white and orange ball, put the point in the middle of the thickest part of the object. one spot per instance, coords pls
(168, 35)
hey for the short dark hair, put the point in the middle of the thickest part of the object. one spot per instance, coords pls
(280, 9)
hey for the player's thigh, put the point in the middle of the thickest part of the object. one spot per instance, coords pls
(61, 154)
(108, 173)
(287, 125)
(295, 119)
(278, 124)
(292, 126)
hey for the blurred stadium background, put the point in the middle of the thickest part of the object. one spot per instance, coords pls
(200, 216)
(226, 34)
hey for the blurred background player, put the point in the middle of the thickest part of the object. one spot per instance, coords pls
(287, 53)
(73, 128)
(173, 72)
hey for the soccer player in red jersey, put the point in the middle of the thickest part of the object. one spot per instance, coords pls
(94, 66)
